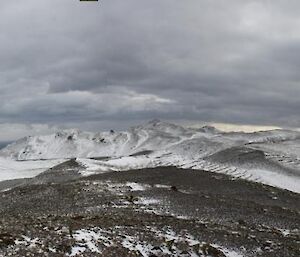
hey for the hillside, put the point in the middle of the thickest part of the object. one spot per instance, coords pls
(270, 157)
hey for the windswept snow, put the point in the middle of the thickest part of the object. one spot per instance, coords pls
(12, 169)
(270, 157)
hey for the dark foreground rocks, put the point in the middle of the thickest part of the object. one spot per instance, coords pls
(152, 212)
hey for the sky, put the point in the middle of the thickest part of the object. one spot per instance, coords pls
(115, 63)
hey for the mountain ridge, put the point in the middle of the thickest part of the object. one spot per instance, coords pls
(270, 157)
(70, 143)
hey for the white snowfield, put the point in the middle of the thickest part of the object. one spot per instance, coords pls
(12, 169)
(269, 157)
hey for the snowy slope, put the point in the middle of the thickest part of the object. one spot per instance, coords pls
(11, 169)
(74, 143)
(270, 157)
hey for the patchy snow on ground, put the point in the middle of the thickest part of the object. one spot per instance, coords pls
(87, 239)
(162, 186)
(147, 201)
(95, 240)
(137, 186)
(28, 242)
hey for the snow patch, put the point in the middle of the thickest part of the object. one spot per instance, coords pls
(137, 186)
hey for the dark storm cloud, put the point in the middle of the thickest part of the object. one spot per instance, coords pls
(66, 61)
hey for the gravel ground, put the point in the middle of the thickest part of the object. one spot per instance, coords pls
(162, 211)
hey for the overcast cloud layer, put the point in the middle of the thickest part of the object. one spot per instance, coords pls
(113, 63)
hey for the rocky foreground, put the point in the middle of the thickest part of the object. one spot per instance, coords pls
(162, 211)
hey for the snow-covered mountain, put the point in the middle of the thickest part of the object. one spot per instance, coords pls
(75, 143)
(271, 157)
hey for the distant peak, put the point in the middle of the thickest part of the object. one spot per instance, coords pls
(154, 122)
(209, 128)
(161, 124)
